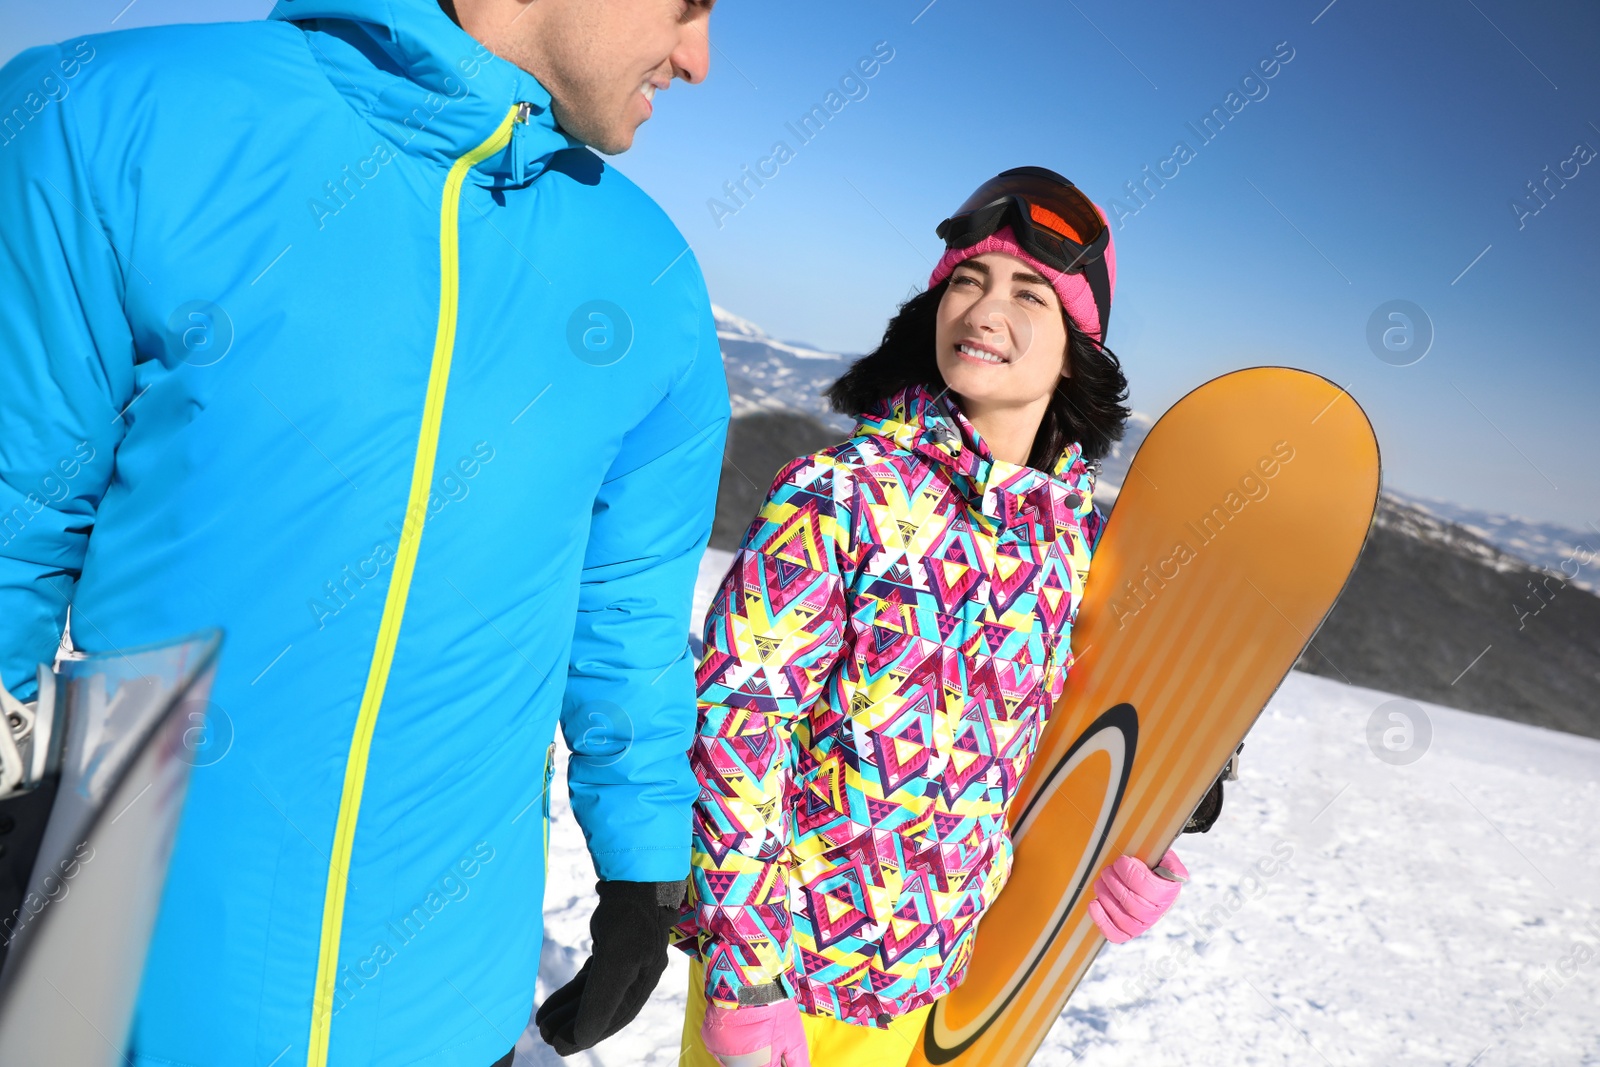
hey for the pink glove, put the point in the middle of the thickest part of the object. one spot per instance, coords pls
(762, 1035)
(1130, 897)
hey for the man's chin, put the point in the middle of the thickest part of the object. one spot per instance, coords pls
(610, 141)
(614, 145)
(605, 138)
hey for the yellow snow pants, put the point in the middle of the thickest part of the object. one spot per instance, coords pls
(830, 1042)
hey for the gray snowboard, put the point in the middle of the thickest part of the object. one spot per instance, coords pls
(125, 729)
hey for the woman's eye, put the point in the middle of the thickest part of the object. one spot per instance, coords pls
(1035, 297)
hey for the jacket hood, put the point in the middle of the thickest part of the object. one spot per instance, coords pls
(427, 84)
(932, 425)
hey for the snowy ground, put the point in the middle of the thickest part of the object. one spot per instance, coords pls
(1442, 911)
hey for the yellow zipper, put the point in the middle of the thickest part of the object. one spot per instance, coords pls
(394, 604)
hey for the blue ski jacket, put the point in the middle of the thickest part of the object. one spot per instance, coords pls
(322, 330)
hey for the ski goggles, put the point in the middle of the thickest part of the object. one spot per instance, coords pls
(1053, 220)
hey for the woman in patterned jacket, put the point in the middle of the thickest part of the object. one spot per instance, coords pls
(888, 644)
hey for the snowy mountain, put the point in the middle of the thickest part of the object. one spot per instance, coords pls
(1439, 912)
(1575, 554)
(765, 374)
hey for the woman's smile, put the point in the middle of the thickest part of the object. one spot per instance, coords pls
(976, 352)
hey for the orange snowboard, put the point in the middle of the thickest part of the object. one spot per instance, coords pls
(1233, 535)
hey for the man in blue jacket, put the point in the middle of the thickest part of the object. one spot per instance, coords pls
(329, 330)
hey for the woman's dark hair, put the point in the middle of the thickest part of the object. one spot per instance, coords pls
(1087, 406)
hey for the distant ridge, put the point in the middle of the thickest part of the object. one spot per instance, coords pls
(1575, 553)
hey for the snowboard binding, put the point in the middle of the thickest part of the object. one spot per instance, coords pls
(1205, 815)
(30, 746)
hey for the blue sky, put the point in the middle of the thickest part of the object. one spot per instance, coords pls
(1379, 163)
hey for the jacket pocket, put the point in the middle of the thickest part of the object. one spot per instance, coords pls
(549, 774)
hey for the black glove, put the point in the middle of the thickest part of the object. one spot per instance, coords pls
(629, 928)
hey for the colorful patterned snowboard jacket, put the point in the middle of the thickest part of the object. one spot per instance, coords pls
(879, 663)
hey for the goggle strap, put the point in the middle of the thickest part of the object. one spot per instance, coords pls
(1099, 280)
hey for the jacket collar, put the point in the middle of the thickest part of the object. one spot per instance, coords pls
(932, 425)
(428, 85)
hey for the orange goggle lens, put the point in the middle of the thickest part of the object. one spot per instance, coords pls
(1043, 216)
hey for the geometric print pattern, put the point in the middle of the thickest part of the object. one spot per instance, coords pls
(879, 662)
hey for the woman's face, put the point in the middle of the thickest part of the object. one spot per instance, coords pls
(1001, 337)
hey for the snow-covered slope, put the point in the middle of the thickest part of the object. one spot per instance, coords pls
(765, 374)
(1438, 912)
